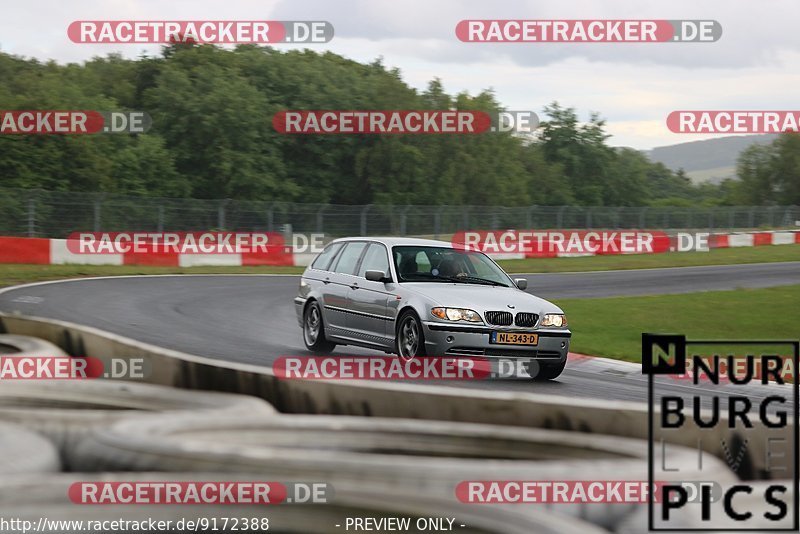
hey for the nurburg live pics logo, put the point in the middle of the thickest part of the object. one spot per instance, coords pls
(745, 416)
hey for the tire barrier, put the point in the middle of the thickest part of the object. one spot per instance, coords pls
(23, 451)
(30, 497)
(66, 410)
(15, 346)
(408, 457)
(384, 399)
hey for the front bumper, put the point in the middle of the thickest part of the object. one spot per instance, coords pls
(442, 339)
(299, 306)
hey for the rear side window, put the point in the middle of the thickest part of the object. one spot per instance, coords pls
(324, 259)
(348, 258)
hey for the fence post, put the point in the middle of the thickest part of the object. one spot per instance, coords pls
(529, 217)
(321, 218)
(32, 214)
(588, 218)
(98, 204)
(364, 211)
(437, 223)
(271, 218)
(161, 219)
(560, 217)
(221, 214)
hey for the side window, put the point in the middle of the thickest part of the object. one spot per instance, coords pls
(324, 259)
(374, 260)
(348, 258)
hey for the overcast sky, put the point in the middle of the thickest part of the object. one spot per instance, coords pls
(755, 65)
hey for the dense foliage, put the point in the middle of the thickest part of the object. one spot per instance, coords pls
(212, 137)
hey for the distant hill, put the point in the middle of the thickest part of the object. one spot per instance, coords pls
(707, 161)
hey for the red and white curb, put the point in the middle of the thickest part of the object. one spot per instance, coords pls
(44, 251)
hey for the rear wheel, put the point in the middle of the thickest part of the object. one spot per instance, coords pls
(409, 339)
(314, 330)
(546, 370)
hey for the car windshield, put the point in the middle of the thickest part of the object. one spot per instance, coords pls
(443, 264)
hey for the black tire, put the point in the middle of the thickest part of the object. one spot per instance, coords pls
(546, 371)
(409, 340)
(314, 330)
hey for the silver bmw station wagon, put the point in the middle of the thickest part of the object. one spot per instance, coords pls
(418, 297)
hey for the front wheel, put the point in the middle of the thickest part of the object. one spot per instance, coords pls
(314, 330)
(409, 339)
(546, 371)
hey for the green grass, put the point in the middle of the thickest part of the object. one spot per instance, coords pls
(723, 256)
(21, 274)
(613, 327)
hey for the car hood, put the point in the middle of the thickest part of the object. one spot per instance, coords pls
(480, 297)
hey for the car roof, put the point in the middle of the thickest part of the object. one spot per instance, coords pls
(398, 241)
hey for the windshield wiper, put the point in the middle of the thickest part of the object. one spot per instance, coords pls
(458, 279)
(480, 280)
(432, 276)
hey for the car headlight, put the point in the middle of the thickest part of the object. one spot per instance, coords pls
(554, 319)
(456, 314)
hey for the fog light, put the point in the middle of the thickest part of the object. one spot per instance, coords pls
(563, 344)
(450, 339)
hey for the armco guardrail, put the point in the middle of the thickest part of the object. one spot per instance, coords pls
(408, 457)
(384, 399)
(66, 411)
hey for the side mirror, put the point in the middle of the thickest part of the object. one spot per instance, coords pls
(521, 283)
(377, 276)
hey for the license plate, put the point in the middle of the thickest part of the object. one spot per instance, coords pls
(514, 338)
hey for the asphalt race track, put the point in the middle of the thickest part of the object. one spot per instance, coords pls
(251, 319)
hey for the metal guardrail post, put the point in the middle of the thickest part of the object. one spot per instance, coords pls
(271, 218)
(529, 216)
(221, 214)
(321, 218)
(404, 220)
(32, 214)
(560, 217)
(98, 206)
(364, 211)
(160, 219)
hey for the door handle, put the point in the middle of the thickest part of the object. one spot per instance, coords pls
(326, 281)
(354, 286)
